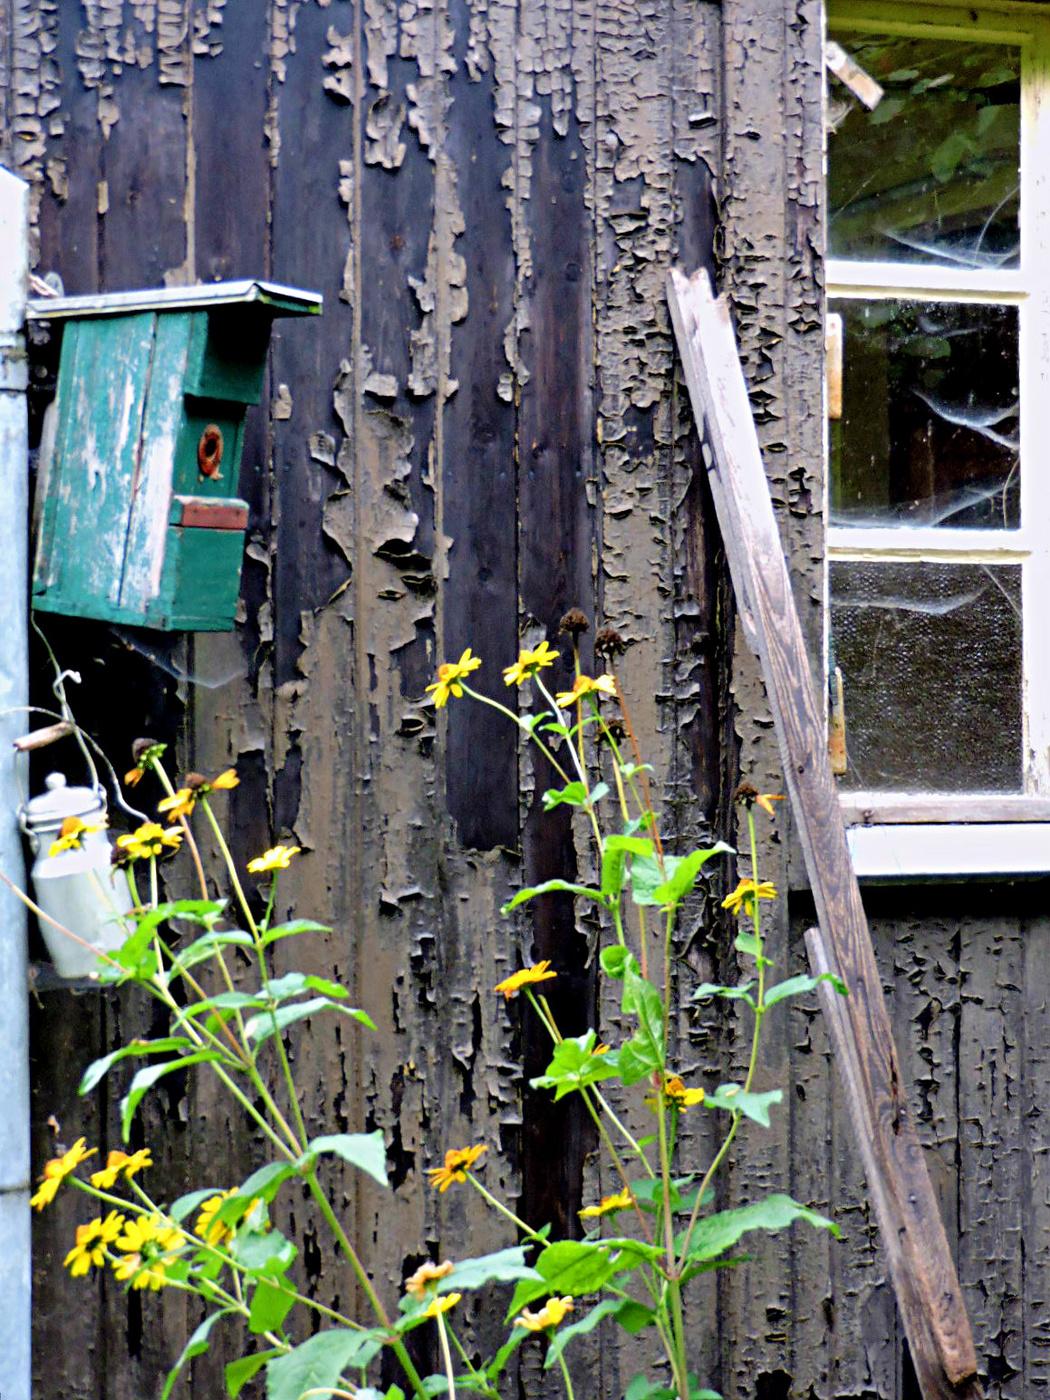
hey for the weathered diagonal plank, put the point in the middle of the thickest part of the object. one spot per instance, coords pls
(921, 1265)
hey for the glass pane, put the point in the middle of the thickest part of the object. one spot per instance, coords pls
(931, 668)
(931, 175)
(929, 427)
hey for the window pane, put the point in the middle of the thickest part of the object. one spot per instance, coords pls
(931, 668)
(931, 175)
(929, 426)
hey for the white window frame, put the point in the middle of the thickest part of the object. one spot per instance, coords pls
(917, 834)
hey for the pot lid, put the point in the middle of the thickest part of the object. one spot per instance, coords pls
(61, 801)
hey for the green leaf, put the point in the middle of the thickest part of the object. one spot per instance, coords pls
(564, 1335)
(748, 943)
(269, 1307)
(634, 1317)
(292, 983)
(494, 1369)
(641, 999)
(614, 857)
(367, 1151)
(266, 1182)
(574, 1065)
(636, 1060)
(261, 1027)
(209, 945)
(714, 1234)
(682, 874)
(318, 1363)
(505, 1266)
(570, 1266)
(292, 930)
(262, 1252)
(186, 1205)
(99, 1068)
(616, 960)
(798, 986)
(548, 887)
(196, 1346)
(239, 1373)
(734, 1100)
(572, 794)
(715, 989)
(147, 1077)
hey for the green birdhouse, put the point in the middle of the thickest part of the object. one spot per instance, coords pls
(137, 518)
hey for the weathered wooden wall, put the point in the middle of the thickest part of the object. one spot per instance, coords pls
(483, 430)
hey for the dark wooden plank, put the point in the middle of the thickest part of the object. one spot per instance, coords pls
(913, 1236)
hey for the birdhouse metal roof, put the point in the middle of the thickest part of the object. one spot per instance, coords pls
(281, 301)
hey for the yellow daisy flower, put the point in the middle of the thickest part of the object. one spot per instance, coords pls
(144, 752)
(150, 1246)
(182, 802)
(150, 839)
(426, 1275)
(511, 986)
(623, 1200)
(458, 1162)
(56, 1171)
(678, 1096)
(71, 835)
(212, 1231)
(442, 1305)
(276, 858)
(553, 1311)
(450, 674)
(529, 663)
(586, 685)
(745, 895)
(92, 1239)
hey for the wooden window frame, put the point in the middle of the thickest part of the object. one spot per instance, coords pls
(913, 833)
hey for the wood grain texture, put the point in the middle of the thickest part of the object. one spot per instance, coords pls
(924, 1274)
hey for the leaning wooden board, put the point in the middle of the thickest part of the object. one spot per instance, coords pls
(913, 1237)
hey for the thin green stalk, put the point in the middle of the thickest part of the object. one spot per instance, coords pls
(603, 1133)
(678, 1362)
(154, 893)
(665, 1176)
(503, 1210)
(446, 1355)
(476, 1375)
(631, 1142)
(578, 764)
(565, 1374)
(521, 724)
(161, 773)
(337, 1230)
(282, 1054)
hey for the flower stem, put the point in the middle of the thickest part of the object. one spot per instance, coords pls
(447, 1355)
(503, 1210)
(565, 1374)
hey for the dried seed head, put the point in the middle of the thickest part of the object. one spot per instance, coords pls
(195, 781)
(617, 732)
(608, 642)
(140, 746)
(574, 623)
(746, 795)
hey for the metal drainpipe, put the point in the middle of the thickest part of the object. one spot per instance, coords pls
(15, 1240)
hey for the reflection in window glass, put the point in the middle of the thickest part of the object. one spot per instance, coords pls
(931, 665)
(929, 427)
(931, 174)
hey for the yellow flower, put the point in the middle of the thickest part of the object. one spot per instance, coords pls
(623, 1200)
(552, 1312)
(149, 1245)
(182, 802)
(586, 685)
(118, 1162)
(56, 1171)
(449, 676)
(425, 1275)
(210, 1230)
(458, 1162)
(150, 839)
(529, 663)
(678, 1096)
(92, 1240)
(766, 799)
(276, 858)
(71, 836)
(511, 986)
(442, 1305)
(745, 894)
